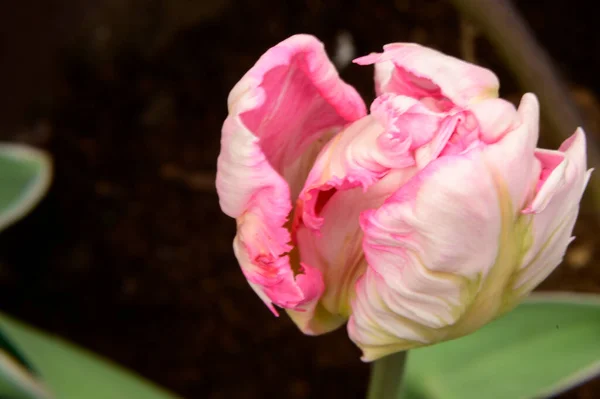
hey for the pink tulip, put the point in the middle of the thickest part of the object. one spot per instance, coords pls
(417, 223)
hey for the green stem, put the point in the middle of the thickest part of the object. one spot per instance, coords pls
(386, 377)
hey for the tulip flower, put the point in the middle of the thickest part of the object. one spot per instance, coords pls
(415, 223)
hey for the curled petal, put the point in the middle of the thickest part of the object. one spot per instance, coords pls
(426, 74)
(513, 156)
(405, 119)
(553, 210)
(280, 114)
(351, 159)
(496, 117)
(401, 134)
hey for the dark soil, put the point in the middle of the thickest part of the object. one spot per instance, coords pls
(130, 255)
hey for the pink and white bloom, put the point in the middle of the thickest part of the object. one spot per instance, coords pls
(418, 222)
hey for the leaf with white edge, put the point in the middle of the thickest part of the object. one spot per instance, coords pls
(18, 379)
(17, 382)
(547, 345)
(71, 372)
(25, 175)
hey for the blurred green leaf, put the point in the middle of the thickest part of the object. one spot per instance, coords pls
(71, 372)
(9, 349)
(17, 382)
(25, 175)
(18, 379)
(547, 345)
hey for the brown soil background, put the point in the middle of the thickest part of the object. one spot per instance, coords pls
(129, 254)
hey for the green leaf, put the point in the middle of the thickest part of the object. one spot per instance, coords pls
(10, 350)
(547, 345)
(71, 372)
(18, 379)
(25, 175)
(17, 382)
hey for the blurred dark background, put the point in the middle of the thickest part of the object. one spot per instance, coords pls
(129, 254)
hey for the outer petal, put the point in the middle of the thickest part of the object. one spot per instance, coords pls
(280, 114)
(427, 256)
(424, 73)
(443, 249)
(554, 208)
(512, 157)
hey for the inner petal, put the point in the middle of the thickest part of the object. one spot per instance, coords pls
(336, 248)
(294, 121)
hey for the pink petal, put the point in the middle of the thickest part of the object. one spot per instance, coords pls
(337, 253)
(552, 178)
(405, 118)
(280, 114)
(512, 157)
(496, 117)
(423, 73)
(553, 210)
(427, 248)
